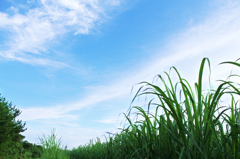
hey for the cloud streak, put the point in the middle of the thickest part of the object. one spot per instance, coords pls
(32, 34)
(210, 38)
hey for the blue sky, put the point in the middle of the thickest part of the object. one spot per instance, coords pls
(71, 64)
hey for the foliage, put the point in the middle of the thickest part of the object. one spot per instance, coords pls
(31, 150)
(10, 137)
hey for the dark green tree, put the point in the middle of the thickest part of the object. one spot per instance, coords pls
(31, 150)
(10, 129)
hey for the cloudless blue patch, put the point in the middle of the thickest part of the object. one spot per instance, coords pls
(4, 5)
(34, 86)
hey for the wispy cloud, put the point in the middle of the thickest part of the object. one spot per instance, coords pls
(31, 34)
(218, 37)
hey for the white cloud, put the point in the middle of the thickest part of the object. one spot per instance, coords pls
(60, 111)
(13, 9)
(218, 37)
(34, 32)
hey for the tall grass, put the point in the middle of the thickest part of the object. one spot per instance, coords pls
(194, 124)
(52, 147)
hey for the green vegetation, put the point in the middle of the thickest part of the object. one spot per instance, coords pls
(52, 147)
(10, 129)
(31, 150)
(195, 123)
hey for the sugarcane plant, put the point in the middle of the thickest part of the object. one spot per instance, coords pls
(180, 121)
(194, 123)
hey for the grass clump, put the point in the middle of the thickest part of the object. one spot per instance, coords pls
(52, 147)
(194, 123)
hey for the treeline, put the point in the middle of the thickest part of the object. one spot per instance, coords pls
(12, 143)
